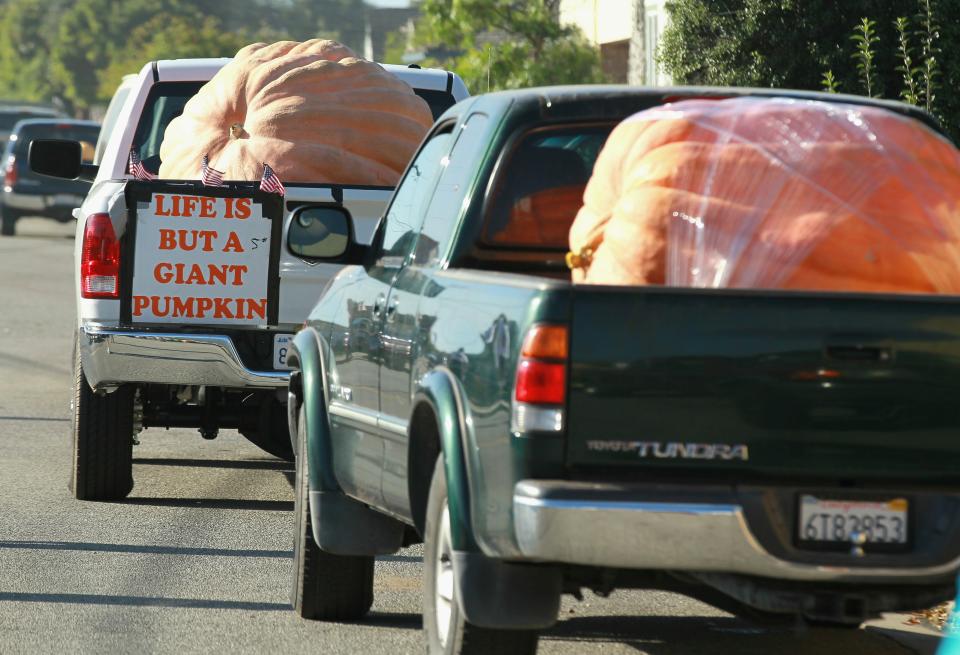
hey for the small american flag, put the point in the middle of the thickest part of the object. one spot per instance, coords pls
(270, 182)
(208, 175)
(136, 168)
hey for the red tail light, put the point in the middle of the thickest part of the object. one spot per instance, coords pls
(540, 392)
(100, 259)
(10, 173)
(541, 383)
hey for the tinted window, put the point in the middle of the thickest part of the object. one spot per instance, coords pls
(109, 120)
(439, 101)
(444, 209)
(165, 102)
(85, 134)
(540, 190)
(410, 201)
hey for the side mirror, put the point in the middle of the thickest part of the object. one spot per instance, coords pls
(59, 158)
(321, 232)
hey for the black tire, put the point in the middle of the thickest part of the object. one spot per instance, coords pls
(272, 434)
(459, 637)
(275, 444)
(325, 587)
(8, 221)
(102, 440)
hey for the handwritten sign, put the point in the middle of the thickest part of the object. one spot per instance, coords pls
(201, 260)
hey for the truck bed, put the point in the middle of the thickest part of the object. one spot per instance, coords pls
(753, 385)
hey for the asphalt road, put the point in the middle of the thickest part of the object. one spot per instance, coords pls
(198, 559)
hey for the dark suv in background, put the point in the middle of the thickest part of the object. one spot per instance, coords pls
(11, 114)
(26, 193)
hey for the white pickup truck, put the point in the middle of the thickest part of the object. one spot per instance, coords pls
(130, 377)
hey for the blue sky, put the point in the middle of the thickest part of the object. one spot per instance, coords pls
(388, 3)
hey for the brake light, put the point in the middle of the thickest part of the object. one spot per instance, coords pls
(99, 259)
(540, 391)
(10, 175)
(541, 383)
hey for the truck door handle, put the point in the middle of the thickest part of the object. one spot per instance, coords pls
(378, 305)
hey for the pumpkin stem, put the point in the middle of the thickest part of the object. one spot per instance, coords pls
(580, 259)
(237, 131)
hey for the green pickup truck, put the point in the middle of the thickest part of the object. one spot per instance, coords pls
(778, 453)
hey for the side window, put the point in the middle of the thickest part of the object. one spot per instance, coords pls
(443, 213)
(406, 210)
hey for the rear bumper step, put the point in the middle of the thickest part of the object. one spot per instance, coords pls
(112, 357)
(617, 527)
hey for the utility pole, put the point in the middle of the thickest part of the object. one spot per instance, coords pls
(636, 59)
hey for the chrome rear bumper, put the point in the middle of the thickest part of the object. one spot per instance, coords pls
(111, 357)
(581, 524)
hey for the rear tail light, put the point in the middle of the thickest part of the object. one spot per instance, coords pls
(100, 259)
(540, 391)
(10, 175)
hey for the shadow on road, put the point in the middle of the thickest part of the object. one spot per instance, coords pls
(214, 503)
(46, 237)
(29, 363)
(391, 620)
(268, 465)
(143, 601)
(669, 635)
(399, 558)
(917, 641)
(135, 548)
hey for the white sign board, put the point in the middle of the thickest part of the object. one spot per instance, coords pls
(201, 260)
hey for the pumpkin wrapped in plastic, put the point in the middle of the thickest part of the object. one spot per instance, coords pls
(772, 193)
(313, 111)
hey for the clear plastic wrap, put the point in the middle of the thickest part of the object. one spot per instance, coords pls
(772, 193)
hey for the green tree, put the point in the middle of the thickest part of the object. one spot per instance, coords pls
(793, 43)
(25, 27)
(342, 20)
(168, 37)
(88, 35)
(504, 44)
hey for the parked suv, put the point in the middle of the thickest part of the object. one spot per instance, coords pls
(26, 193)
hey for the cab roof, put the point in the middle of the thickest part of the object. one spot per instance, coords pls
(188, 70)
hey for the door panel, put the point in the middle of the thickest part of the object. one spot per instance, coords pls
(403, 329)
(353, 387)
(398, 329)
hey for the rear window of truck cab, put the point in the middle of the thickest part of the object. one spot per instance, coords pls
(85, 134)
(539, 189)
(167, 99)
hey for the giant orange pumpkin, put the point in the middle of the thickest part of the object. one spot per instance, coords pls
(313, 111)
(772, 193)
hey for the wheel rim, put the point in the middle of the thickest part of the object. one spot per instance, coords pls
(443, 572)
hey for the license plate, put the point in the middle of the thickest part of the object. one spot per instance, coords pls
(67, 199)
(281, 344)
(834, 521)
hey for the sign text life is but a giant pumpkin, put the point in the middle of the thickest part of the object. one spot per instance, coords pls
(201, 260)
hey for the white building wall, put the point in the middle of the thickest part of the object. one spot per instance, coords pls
(603, 21)
(608, 21)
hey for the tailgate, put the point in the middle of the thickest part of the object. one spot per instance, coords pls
(832, 386)
(200, 256)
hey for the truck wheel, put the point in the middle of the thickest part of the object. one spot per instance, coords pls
(8, 221)
(325, 587)
(102, 440)
(447, 632)
(272, 434)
